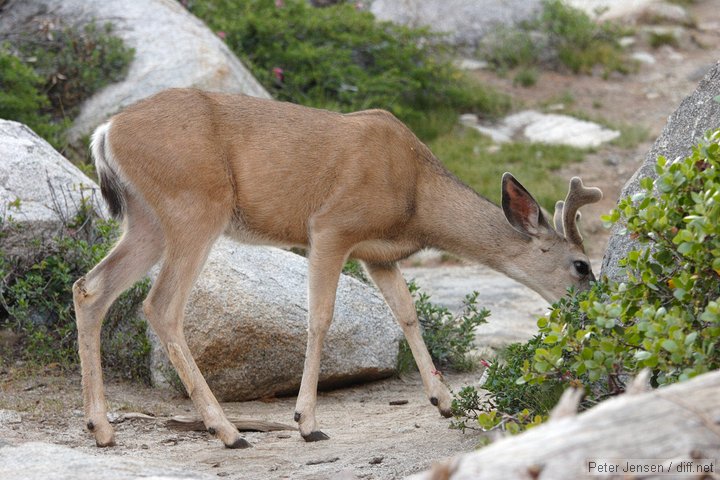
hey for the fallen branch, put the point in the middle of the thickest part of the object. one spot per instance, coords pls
(185, 424)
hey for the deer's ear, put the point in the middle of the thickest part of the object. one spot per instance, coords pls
(521, 209)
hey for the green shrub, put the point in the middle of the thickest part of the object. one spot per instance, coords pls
(22, 98)
(448, 337)
(658, 39)
(340, 58)
(665, 316)
(36, 299)
(76, 63)
(561, 36)
(46, 74)
(526, 77)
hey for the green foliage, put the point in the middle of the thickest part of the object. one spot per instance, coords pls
(560, 36)
(355, 269)
(665, 316)
(47, 73)
(36, 299)
(76, 63)
(526, 77)
(449, 338)
(22, 99)
(658, 39)
(479, 163)
(340, 58)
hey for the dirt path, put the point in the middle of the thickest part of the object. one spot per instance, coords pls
(369, 437)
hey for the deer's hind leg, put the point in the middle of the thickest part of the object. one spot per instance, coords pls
(164, 308)
(137, 251)
(393, 287)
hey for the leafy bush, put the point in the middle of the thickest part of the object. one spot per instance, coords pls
(561, 36)
(449, 338)
(22, 99)
(665, 316)
(76, 63)
(36, 299)
(340, 58)
(48, 73)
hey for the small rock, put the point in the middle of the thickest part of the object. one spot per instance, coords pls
(10, 416)
(554, 107)
(469, 119)
(376, 460)
(644, 57)
(708, 26)
(471, 64)
(398, 402)
(661, 12)
(627, 41)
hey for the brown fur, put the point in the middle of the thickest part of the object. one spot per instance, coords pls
(189, 166)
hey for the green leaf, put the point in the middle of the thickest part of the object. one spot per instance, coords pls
(669, 345)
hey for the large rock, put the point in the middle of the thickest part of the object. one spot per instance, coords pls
(36, 460)
(464, 21)
(172, 49)
(697, 114)
(549, 128)
(40, 191)
(246, 324)
(654, 11)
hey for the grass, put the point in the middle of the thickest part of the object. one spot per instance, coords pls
(480, 164)
(658, 39)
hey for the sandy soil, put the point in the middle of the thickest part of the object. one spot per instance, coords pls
(369, 437)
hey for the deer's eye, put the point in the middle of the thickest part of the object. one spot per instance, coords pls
(581, 267)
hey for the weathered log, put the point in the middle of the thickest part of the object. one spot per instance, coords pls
(186, 424)
(656, 429)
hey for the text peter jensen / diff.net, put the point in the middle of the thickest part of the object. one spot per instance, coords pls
(676, 467)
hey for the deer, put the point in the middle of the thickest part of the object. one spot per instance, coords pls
(185, 166)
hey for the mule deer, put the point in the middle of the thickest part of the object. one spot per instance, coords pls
(183, 167)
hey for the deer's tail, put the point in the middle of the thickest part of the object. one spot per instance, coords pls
(112, 187)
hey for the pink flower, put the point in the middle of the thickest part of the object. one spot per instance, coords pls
(485, 363)
(279, 3)
(221, 34)
(279, 74)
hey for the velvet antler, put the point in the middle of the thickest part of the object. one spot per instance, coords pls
(566, 213)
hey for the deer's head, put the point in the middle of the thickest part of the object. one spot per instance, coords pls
(555, 259)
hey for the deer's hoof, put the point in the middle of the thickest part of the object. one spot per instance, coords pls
(238, 443)
(103, 433)
(315, 436)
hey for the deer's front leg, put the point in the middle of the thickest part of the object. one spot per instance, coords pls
(393, 287)
(325, 265)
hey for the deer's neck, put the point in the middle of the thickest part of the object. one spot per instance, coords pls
(459, 221)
